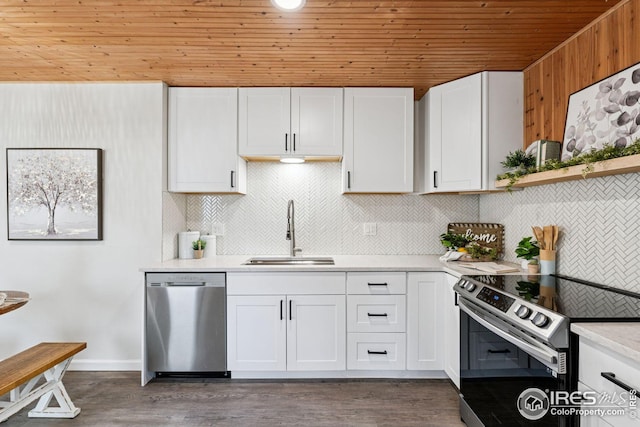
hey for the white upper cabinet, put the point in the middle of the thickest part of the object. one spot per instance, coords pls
(378, 140)
(316, 121)
(290, 122)
(203, 141)
(466, 128)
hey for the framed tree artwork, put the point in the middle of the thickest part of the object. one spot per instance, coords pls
(54, 193)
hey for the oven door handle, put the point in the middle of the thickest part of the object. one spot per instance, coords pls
(548, 358)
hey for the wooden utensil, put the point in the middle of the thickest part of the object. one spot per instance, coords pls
(548, 237)
(537, 231)
(555, 236)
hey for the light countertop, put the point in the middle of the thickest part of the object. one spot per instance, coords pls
(234, 263)
(622, 338)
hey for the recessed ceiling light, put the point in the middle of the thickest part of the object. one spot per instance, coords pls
(289, 5)
(292, 160)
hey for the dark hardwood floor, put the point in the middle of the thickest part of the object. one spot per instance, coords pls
(117, 399)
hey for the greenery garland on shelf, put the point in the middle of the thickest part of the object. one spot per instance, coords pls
(588, 159)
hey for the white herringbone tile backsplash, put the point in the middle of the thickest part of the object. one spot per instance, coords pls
(598, 219)
(327, 222)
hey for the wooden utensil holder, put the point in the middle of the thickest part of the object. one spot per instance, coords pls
(547, 261)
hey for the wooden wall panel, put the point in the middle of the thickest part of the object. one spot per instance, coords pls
(608, 45)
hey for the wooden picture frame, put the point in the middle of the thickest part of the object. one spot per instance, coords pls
(606, 112)
(54, 193)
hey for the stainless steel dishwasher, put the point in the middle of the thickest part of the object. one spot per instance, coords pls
(186, 323)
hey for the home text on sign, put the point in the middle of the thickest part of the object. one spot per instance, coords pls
(483, 237)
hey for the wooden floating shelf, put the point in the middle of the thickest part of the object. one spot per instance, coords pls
(616, 166)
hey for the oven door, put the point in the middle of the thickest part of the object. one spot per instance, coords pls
(498, 364)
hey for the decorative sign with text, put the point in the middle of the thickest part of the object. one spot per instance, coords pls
(486, 234)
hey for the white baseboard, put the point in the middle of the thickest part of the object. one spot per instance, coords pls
(104, 365)
(338, 374)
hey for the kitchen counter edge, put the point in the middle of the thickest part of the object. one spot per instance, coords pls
(622, 338)
(343, 263)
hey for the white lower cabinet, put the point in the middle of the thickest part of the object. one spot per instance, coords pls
(451, 337)
(376, 321)
(591, 420)
(608, 375)
(316, 333)
(300, 327)
(425, 325)
(256, 333)
(387, 322)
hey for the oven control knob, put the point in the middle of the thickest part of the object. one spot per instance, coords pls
(523, 311)
(470, 287)
(540, 320)
(463, 283)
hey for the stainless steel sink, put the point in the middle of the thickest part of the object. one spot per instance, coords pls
(299, 260)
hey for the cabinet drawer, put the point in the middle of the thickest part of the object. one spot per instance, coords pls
(376, 313)
(376, 283)
(376, 351)
(293, 283)
(595, 359)
(606, 419)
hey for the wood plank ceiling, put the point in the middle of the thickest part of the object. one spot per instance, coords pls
(417, 43)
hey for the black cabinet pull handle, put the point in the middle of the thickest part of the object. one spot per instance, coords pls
(286, 142)
(290, 310)
(377, 284)
(349, 180)
(435, 179)
(612, 377)
(281, 316)
(233, 183)
(377, 314)
(376, 352)
(294, 142)
(505, 351)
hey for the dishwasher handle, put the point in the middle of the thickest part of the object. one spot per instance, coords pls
(186, 284)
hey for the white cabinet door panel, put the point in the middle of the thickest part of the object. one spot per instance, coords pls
(451, 330)
(456, 126)
(378, 140)
(203, 140)
(425, 347)
(316, 121)
(317, 333)
(264, 121)
(256, 333)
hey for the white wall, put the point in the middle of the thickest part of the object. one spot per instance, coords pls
(83, 290)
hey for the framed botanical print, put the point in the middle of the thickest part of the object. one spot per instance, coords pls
(605, 113)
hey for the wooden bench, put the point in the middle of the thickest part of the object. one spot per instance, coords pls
(36, 373)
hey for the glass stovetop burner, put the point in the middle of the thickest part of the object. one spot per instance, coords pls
(577, 299)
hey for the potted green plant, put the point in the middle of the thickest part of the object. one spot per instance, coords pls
(198, 248)
(518, 160)
(453, 241)
(528, 250)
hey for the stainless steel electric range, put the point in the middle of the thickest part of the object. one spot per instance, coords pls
(515, 337)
